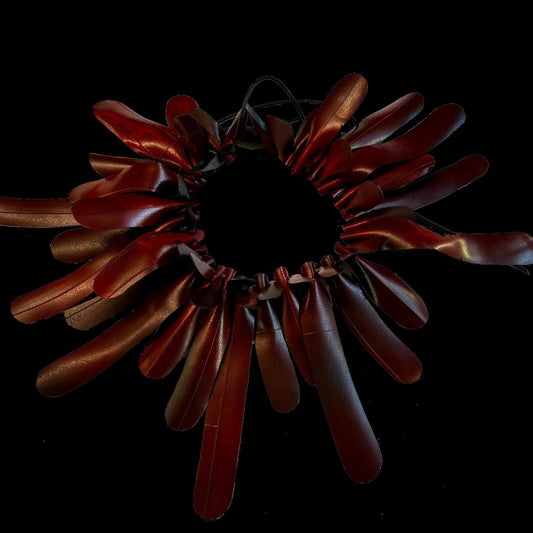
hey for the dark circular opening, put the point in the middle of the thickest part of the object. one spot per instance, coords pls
(257, 216)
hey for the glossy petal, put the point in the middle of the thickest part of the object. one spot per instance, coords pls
(513, 248)
(59, 295)
(392, 294)
(210, 127)
(105, 165)
(360, 199)
(274, 359)
(81, 244)
(87, 362)
(144, 177)
(124, 211)
(36, 213)
(193, 138)
(190, 397)
(337, 161)
(441, 184)
(405, 173)
(422, 138)
(282, 136)
(338, 107)
(398, 360)
(162, 355)
(141, 257)
(290, 324)
(383, 123)
(355, 441)
(145, 137)
(96, 310)
(221, 439)
(178, 105)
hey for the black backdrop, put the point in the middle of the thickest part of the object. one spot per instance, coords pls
(455, 444)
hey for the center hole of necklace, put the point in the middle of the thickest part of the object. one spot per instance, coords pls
(257, 216)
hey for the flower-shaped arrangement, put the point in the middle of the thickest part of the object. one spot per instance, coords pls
(136, 233)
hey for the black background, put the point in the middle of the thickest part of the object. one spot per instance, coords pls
(455, 445)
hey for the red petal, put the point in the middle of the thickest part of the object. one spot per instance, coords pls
(141, 177)
(178, 105)
(59, 295)
(393, 295)
(405, 173)
(193, 138)
(275, 361)
(355, 441)
(290, 323)
(124, 211)
(442, 183)
(359, 199)
(162, 355)
(209, 126)
(512, 248)
(337, 161)
(189, 399)
(425, 136)
(36, 213)
(383, 123)
(335, 111)
(143, 136)
(372, 332)
(141, 257)
(282, 135)
(215, 478)
(87, 362)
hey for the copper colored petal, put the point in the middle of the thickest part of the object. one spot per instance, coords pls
(356, 444)
(393, 295)
(190, 397)
(36, 213)
(178, 105)
(90, 313)
(215, 478)
(338, 107)
(149, 176)
(59, 295)
(145, 137)
(442, 183)
(277, 369)
(162, 355)
(81, 244)
(141, 257)
(290, 324)
(398, 360)
(87, 362)
(383, 123)
(124, 211)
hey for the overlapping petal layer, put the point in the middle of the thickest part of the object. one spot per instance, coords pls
(136, 231)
